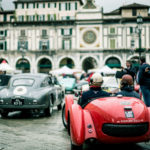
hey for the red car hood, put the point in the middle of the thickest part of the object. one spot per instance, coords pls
(112, 110)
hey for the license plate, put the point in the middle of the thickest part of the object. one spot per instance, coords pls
(17, 102)
(129, 114)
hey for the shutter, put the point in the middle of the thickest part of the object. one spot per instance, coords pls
(131, 30)
(62, 31)
(63, 44)
(59, 6)
(76, 6)
(48, 5)
(40, 46)
(18, 45)
(43, 5)
(33, 5)
(70, 31)
(5, 33)
(26, 45)
(15, 6)
(55, 5)
(22, 5)
(5, 45)
(70, 44)
(48, 45)
(66, 6)
(37, 5)
(68, 17)
(27, 5)
(69, 6)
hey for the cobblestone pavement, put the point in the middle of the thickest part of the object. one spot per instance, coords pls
(19, 132)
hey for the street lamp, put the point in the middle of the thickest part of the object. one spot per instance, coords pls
(139, 27)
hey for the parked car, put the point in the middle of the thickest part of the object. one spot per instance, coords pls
(68, 83)
(4, 79)
(34, 92)
(109, 120)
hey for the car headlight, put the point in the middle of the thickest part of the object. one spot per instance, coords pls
(1, 101)
(35, 101)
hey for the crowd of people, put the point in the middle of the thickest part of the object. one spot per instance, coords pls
(129, 79)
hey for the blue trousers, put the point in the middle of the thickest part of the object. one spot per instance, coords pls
(146, 94)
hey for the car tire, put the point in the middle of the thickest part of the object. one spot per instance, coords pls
(49, 109)
(75, 147)
(4, 114)
(63, 117)
(59, 107)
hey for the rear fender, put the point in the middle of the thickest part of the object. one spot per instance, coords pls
(90, 131)
(77, 124)
(68, 102)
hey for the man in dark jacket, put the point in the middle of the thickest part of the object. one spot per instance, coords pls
(95, 90)
(143, 79)
(127, 88)
(129, 70)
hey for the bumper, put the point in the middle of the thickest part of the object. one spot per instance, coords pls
(22, 107)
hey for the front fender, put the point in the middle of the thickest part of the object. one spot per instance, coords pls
(77, 124)
(68, 103)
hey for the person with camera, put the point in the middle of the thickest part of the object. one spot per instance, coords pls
(129, 69)
(143, 79)
(127, 87)
(95, 90)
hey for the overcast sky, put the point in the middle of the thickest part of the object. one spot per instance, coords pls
(108, 5)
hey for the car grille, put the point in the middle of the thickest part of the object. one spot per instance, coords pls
(125, 130)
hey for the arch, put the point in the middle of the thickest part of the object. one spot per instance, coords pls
(23, 64)
(44, 65)
(113, 62)
(89, 62)
(2, 59)
(67, 61)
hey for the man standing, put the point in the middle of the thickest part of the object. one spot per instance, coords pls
(143, 79)
(130, 69)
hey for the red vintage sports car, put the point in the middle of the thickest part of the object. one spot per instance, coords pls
(109, 120)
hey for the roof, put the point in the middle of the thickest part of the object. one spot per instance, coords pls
(134, 5)
(130, 6)
(30, 1)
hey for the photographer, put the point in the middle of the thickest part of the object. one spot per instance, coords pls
(143, 79)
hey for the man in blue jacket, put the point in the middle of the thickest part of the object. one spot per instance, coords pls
(143, 78)
(95, 90)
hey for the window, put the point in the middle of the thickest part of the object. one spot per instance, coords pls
(52, 5)
(133, 12)
(20, 18)
(66, 44)
(3, 45)
(72, 6)
(40, 5)
(65, 17)
(2, 33)
(132, 43)
(31, 18)
(63, 6)
(30, 5)
(44, 32)
(23, 45)
(20, 6)
(112, 31)
(66, 31)
(112, 43)
(132, 30)
(44, 45)
(22, 33)
(41, 17)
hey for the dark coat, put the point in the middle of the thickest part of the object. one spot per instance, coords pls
(128, 91)
(131, 71)
(92, 93)
(143, 78)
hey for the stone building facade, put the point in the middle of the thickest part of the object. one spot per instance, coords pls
(41, 35)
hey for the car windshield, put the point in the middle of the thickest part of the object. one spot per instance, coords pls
(23, 81)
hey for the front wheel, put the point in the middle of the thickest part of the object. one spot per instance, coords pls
(4, 114)
(63, 117)
(49, 109)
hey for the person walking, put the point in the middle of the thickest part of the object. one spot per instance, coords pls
(143, 79)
